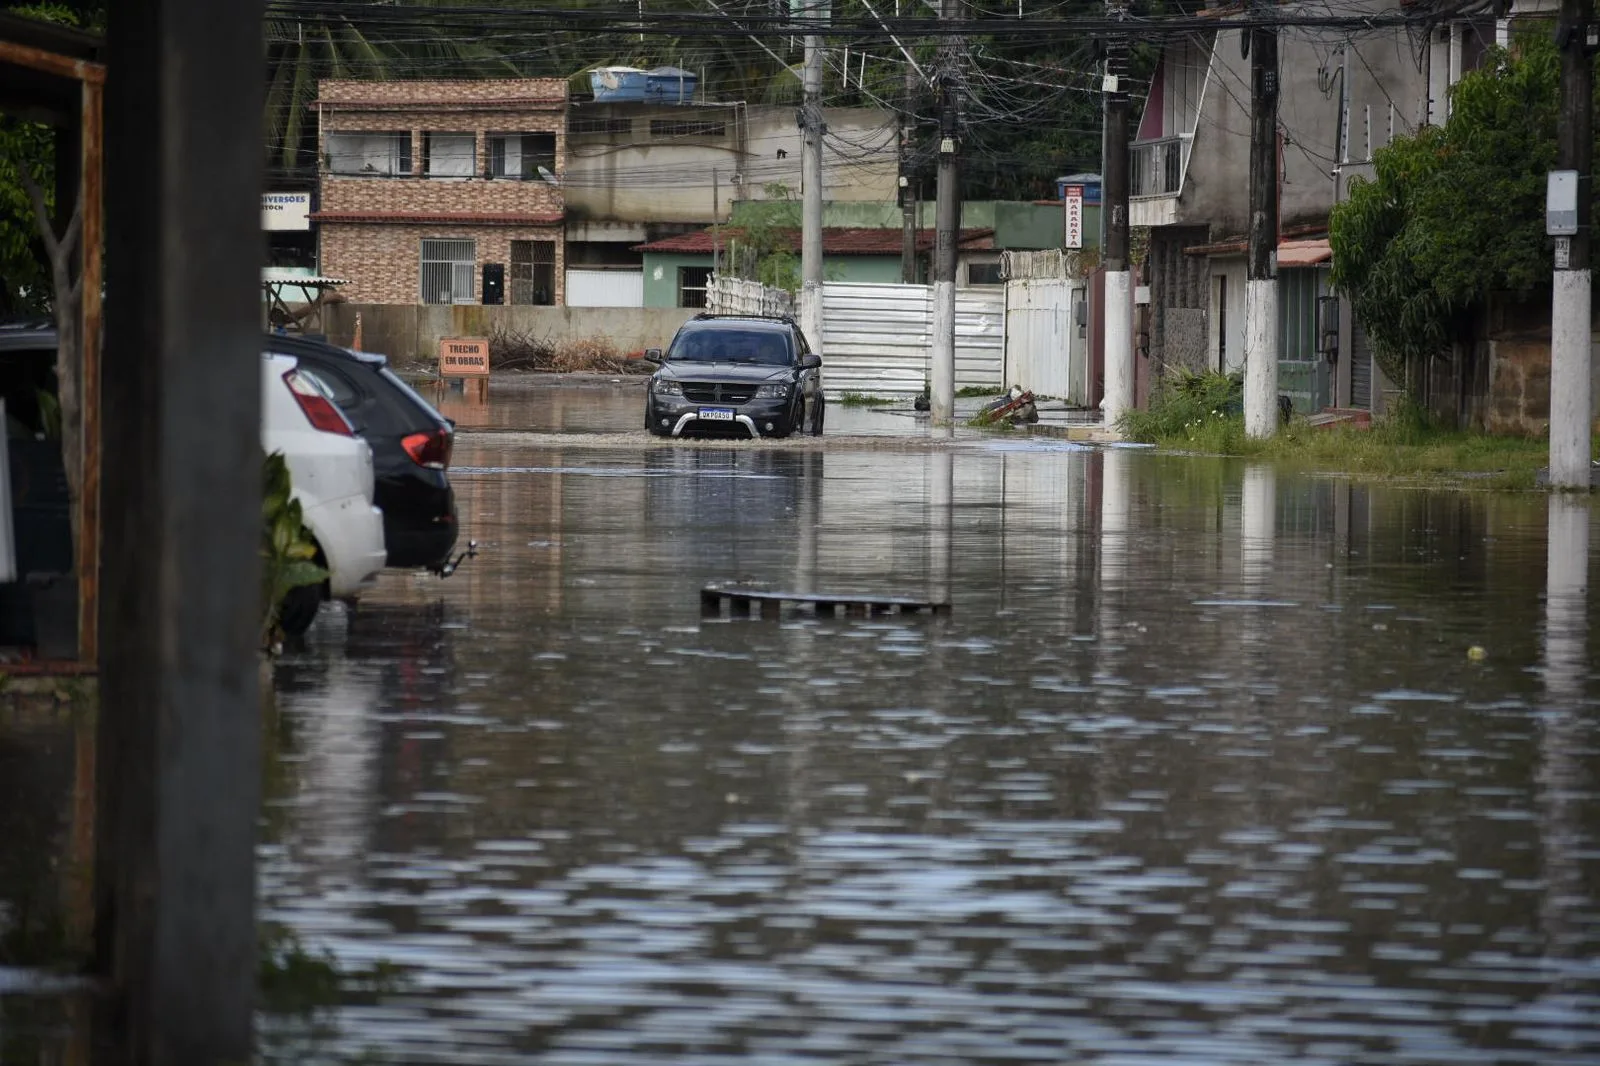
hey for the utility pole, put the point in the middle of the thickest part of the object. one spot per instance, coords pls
(1118, 333)
(947, 224)
(1570, 400)
(1261, 292)
(811, 184)
(908, 198)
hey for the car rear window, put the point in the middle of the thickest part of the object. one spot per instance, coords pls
(763, 347)
(423, 406)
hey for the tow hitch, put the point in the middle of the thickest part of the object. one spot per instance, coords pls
(449, 566)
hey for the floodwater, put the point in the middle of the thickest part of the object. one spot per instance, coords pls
(1207, 764)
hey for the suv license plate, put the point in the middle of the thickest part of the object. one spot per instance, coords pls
(717, 414)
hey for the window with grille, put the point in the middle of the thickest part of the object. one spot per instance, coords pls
(678, 127)
(533, 272)
(520, 155)
(589, 125)
(370, 155)
(449, 155)
(448, 271)
(692, 282)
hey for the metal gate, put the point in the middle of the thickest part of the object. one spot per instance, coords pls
(1360, 366)
(876, 339)
(1043, 351)
(1302, 371)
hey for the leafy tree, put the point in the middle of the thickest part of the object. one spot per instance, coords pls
(1453, 214)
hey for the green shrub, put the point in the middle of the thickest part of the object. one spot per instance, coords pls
(1188, 405)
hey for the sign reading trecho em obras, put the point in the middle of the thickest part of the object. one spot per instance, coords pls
(464, 357)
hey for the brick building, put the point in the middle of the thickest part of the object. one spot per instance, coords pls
(443, 191)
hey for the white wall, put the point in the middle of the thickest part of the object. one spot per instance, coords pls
(642, 178)
(605, 288)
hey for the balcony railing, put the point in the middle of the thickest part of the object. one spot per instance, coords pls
(1156, 167)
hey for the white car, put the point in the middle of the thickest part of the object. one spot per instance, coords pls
(330, 469)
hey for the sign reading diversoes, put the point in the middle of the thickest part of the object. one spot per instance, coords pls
(286, 210)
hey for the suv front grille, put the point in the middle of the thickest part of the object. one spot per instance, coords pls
(712, 392)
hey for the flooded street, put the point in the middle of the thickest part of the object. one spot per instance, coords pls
(1207, 765)
(1198, 770)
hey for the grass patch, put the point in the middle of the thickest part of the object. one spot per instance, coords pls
(974, 391)
(861, 399)
(1199, 414)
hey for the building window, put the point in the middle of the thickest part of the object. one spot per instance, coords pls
(449, 155)
(678, 127)
(984, 274)
(692, 283)
(533, 272)
(372, 155)
(589, 125)
(522, 155)
(448, 271)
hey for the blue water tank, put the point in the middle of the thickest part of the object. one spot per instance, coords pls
(618, 84)
(671, 85)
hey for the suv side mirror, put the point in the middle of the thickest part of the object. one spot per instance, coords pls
(652, 355)
(810, 361)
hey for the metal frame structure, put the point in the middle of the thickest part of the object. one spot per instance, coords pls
(42, 64)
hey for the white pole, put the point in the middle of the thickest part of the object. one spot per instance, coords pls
(1570, 383)
(1260, 357)
(811, 193)
(1118, 345)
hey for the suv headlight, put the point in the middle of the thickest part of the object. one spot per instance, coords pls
(666, 387)
(772, 392)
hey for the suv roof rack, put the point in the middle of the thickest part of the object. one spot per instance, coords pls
(705, 315)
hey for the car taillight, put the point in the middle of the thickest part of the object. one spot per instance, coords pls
(320, 411)
(431, 450)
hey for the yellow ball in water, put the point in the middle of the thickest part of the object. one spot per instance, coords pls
(1477, 653)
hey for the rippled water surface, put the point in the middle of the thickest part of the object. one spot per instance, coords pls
(1201, 768)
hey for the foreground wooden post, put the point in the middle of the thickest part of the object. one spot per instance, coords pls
(179, 726)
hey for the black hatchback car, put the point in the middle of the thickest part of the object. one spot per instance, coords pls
(728, 375)
(411, 444)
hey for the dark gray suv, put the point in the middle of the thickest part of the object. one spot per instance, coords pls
(738, 376)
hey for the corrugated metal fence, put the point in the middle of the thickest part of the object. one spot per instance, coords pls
(876, 338)
(1044, 350)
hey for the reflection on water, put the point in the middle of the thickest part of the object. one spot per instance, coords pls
(1199, 770)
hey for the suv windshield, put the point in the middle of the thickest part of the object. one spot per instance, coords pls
(764, 347)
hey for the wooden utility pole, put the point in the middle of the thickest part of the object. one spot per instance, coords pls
(1570, 383)
(947, 226)
(1118, 330)
(1261, 291)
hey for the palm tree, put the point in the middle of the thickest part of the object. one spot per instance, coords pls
(300, 50)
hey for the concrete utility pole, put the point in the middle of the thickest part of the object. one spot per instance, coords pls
(947, 225)
(178, 780)
(1570, 399)
(908, 196)
(1261, 291)
(811, 185)
(1119, 394)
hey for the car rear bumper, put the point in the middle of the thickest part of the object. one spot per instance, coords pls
(419, 521)
(350, 531)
